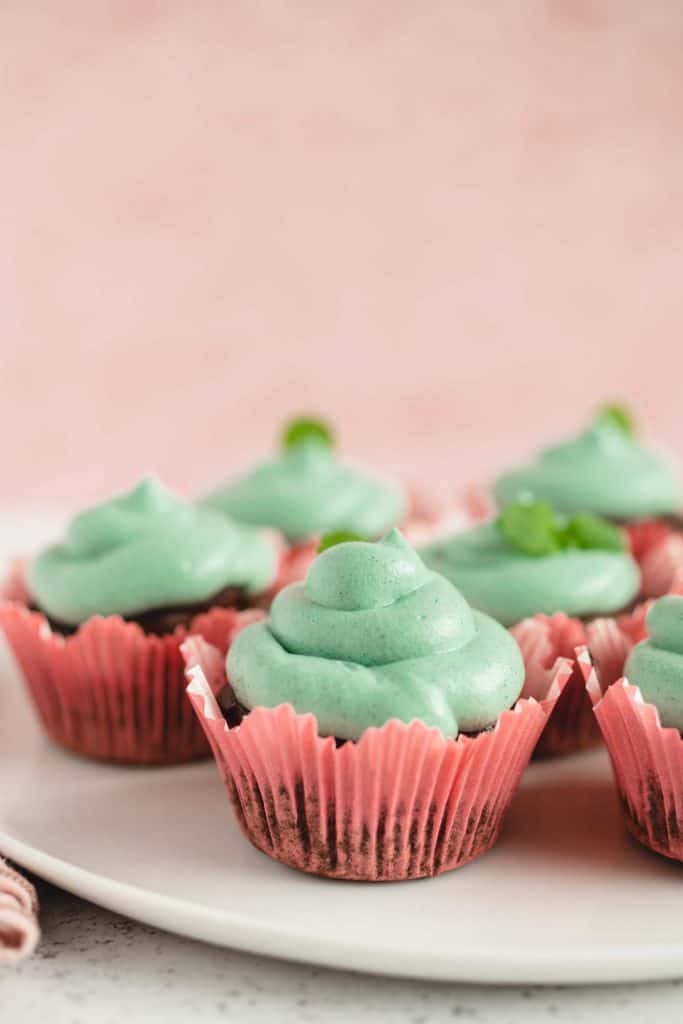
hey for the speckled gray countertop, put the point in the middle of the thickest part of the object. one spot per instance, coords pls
(94, 967)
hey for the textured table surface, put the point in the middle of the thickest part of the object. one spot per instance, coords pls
(94, 967)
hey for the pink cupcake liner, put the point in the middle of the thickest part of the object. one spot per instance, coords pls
(609, 640)
(111, 691)
(633, 624)
(657, 547)
(647, 760)
(294, 564)
(13, 587)
(402, 802)
(479, 504)
(661, 566)
(645, 535)
(544, 638)
(19, 931)
(430, 518)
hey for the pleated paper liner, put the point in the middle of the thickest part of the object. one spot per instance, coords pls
(294, 564)
(111, 691)
(544, 638)
(647, 760)
(661, 566)
(479, 504)
(431, 517)
(13, 587)
(402, 802)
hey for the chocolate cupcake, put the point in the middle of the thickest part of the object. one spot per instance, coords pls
(98, 636)
(609, 471)
(549, 577)
(375, 739)
(641, 718)
(306, 490)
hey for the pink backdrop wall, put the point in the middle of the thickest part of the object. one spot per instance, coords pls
(450, 226)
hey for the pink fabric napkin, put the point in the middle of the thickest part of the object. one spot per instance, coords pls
(19, 931)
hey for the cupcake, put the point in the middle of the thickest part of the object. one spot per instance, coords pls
(641, 718)
(98, 635)
(549, 577)
(306, 490)
(366, 731)
(607, 470)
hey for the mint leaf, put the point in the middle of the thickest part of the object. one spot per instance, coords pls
(619, 416)
(534, 528)
(531, 527)
(585, 530)
(305, 429)
(334, 537)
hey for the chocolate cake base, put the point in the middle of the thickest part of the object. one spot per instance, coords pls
(161, 621)
(675, 521)
(234, 712)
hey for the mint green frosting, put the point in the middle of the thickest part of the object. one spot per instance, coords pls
(655, 666)
(145, 550)
(604, 470)
(306, 490)
(372, 635)
(511, 585)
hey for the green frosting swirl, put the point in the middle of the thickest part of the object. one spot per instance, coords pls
(373, 635)
(306, 490)
(655, 665)
(605, 470)
(511, 585)
(147, 550)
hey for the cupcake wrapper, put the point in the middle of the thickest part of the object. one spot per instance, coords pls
(544, 638)
(479, 504)
(294, 564)
(13, 587)
(429, 519)
(112, 691)
(402, 802)
(661, 566)
(647, 760)
(645, 535)
(633, 626)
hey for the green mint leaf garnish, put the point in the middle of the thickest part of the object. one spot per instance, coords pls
(334, 537)
(534, 528)
(531, 527)
(305, 429)
(619, 416)
(584, 530)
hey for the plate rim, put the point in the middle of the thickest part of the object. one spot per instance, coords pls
(659, 962)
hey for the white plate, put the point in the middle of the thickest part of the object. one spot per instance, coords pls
(564, 897)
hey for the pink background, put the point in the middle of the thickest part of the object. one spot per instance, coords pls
(451, 227)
